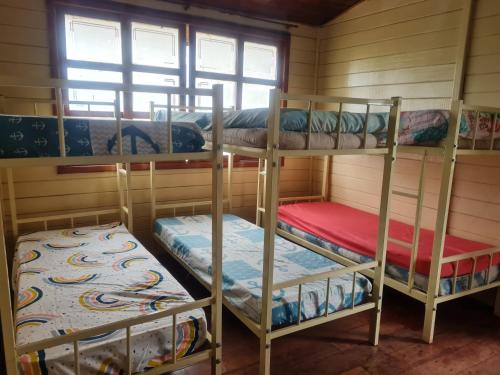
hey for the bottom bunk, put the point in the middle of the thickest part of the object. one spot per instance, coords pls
(70, 280)
(352, 233)
(188, 239)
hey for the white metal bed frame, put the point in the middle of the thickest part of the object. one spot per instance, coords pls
(264, 331)
(212, 350)
(448, 152)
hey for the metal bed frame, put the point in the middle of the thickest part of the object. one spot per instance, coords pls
(264, 330)
(212, 350)
(448, 152)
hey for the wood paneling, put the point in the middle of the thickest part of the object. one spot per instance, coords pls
(409, 48)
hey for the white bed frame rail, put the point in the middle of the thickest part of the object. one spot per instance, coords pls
(268, 201)
(449, 152)
(123, 172)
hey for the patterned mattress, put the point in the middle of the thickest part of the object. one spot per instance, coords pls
(29, 136)
(68, 280)
(355, 234)
(189, 239)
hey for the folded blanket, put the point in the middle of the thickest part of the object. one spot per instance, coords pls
(30, 136)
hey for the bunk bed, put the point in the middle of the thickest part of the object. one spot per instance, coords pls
(430, 266)
(276, 287)
(92, 298)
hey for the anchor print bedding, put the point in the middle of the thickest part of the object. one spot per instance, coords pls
(69, 280)
(31, 136)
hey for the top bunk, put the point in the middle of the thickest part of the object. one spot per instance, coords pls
(307, 132)
(59, 139)
(364, 128)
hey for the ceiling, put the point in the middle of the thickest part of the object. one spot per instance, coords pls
(311, 12)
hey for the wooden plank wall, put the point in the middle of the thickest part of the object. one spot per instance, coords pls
(382, 48)
(24, 43)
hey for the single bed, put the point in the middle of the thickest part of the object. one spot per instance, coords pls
(188, 238)
(352, 233)
(68, 280)
(428, 127)
(34, 136)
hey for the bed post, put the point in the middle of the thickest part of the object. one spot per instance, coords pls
(450, 155)
(9, 341)
(271, 204)
(152, 187)
(130, 201)
(217, 224)
(230, 165)
(384, 215)
(325, 178)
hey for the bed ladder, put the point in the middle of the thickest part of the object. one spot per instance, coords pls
(419, 198)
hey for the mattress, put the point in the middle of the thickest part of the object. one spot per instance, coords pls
(291, 140)
(69, 280)
(426, 128)
(30, 136)
(189, 240)
(352, 233)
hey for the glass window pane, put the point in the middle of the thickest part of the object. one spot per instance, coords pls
(78, 95)
(229, 91)
(91, 39)
(94, 75)
(142, 100)
(215, 54)
(93, 95)
(141, 78)
(255, 96)
(154, 45)
(259, 61)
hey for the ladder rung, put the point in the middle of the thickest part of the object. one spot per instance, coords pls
(122, 171)
(262, 173)
(400, 243)
(261, 209)
(405, 194)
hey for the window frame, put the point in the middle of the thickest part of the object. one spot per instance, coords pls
(241, 37)
(127, 67)
(126, 14)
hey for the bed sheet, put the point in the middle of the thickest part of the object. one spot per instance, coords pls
(189, 239)
(69, 280)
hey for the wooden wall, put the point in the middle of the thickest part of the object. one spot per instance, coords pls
(409, 48)
(24, 43)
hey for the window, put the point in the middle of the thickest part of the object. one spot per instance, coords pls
(105, 42)
(107, 50)
(247, 69)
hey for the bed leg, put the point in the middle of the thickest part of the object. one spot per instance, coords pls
(375, 324)
(429, 322)
(497, 303)
(265, 354)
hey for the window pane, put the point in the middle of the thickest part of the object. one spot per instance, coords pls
(93, 95)
(91, 39)
(215, 54)
(94, 75)
(259, 61)
(229, 91)
(154, 45)
(255, 96)
(142, 99)
(141, 78)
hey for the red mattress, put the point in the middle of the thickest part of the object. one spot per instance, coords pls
(356, 230)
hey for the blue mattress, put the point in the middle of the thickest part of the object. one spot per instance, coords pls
(30, 136)
(189, 239)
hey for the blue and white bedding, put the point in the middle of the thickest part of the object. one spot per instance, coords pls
(394, 271)
(30, 136)
(69, 280)
(189, 239)
(426, 127)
